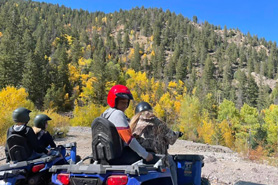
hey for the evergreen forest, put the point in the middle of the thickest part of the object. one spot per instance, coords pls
(216, 85)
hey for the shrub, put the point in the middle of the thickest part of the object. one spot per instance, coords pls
(11, 98)
(84, 116)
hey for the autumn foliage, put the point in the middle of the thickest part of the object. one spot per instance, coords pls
(12, 98)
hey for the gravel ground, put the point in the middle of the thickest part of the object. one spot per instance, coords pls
(222, 165)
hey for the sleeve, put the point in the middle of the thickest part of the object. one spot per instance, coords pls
(32, 139)
(136, 147)
(50, 140)
(118, 118)
(6, 149)
(170, 136)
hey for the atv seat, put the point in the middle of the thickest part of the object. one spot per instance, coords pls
(106, 143)
(18, 148)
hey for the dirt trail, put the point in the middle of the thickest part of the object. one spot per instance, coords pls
(222, 166)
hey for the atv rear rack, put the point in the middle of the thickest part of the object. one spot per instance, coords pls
(11, 166)
(137, 168)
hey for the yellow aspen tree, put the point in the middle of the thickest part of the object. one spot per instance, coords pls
(74, 73)
(145, 97)
(81, 62)
(131, 54)
(172, 85)
(69, 39)
(190, 117)
(55, 42)
(83, 116)
(271, 125)
(177, 107)
(131, 32)
(226, 133)
(159, 111)
(104, 20)
(181, 88)
(153, 53)
(130, 110)
(151, 38)
(206, 131)
(88, 90)
(11, 98)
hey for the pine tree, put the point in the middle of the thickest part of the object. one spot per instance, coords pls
(99, 71)
(31, 79)
(33, 75)
(156, 35)
(170, 69)
(270, 66)
(252, 92)
(41, 52)
(135, 62)
(263, 95)
(58, 94)
(160, 58)
(11, 61)
(119, 40)
(126, 43)
(241, 93)
(76, 51)
(195, 19)
(207, 76)
(63, 70)
(181, 69)
(227, 81)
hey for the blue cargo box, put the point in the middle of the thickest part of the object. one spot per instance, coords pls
(189, 169)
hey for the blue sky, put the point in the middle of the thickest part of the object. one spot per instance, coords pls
(259, 17)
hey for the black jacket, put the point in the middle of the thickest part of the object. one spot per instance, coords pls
(31, 137)
(45, 139)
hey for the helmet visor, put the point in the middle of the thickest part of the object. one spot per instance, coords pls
(125, 96)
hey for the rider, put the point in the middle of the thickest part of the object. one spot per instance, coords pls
(118, 99)
(21, 118)
(44, 138)
(153, 134)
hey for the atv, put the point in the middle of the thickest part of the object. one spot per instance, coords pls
(36, 171)
(106, 147)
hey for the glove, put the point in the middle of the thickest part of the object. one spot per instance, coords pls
(54, 153)
(180, 134)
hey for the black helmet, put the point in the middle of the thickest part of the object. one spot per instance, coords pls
(21, 115)
(143, 106)
(40, 120)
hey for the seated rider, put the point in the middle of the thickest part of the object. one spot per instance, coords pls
(153, 134)
(21, 118)
(118, 99)
(44, 138)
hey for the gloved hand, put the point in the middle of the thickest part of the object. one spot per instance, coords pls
(54, 153)
(180, 134)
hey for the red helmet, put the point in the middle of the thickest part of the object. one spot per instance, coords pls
(118, 91)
